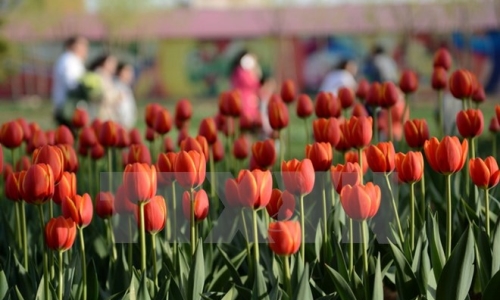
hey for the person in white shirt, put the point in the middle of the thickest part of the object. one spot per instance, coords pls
(126, 109)
(341, 76)
(68, 70)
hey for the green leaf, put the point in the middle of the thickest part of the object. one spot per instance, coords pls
(4, 286)
(143, 292)
(233, 272)
(197, 274)
(459, 270)
(231, 294)
(406, 282)
(491, 290)
(18, 294)
(259, 285)
(343, 288)
(341, 264)
(378, 287)
(318, 241)
(438, 258)
(304, 289)
(92, 283)
(495, 262)
(483, 257)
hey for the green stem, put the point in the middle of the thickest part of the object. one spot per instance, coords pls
(325, 219)
(288, 131)
(84, 264)
(111, 234)
(110, 168)
(306, 127)
(487, 211)
(174, 219)
(394, 207)
(24, 235)
(423, 201)
(473, 147)
(302, 229)
(407, 106)
(212, 172)
(89, 174)
(494, 148)
(246, 235)
(375, 125)
(389, 117)
(286, 275)
(19, 238)
(192, 223)
(364, 237)
(412, 215)
(448, 216)
(143, 237)
(61, 281)
(351, 247)
(155, 270)
(282, 148)
(130, 244)
(51, 209)
(45, 263)
(256, 240)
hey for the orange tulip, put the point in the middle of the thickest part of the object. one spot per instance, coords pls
(288, 91)
(105, 205)
(80, 118)
(241, 148)
(183, 110)
(65, 188)
(198, 144)
(155, 215)
(363, 88)
(284, 237)
(208, 130)
(79, 208)
(470, 123)
(298, 176)
(11, 135)
(190, 169)
(304, 106)
(416, 132)
(408, 83)
(108, 134)
(410, 166)
(69, 157)
(326, 131)
(494, 125)
(352, 157)
(38, 184)
(163, 121)
(51, 155)
(347, 174)
(60, 233)
(139, 153)
(346, 97)
(13, 186)
(462, 84)
(151, 113)
(165, 167)
(360, 202)
(442, 58)
(140, 181)
(359, 131)
(63, 135)
(380, 157)
(320, 155)
(250, 189)
(448, 156)
(278, 113)
(327, 105)
(201, 205)
(439, 79)
(484, 173)
(281, 206)
(264, 153)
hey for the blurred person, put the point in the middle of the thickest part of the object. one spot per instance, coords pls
(105, 107)
(246, 77)
(341, 76)
(68, 70)
(380, 66)
(126, 109)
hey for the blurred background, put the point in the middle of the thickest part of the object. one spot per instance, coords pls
(184, 48)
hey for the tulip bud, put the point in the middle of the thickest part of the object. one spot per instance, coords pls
(97, 152)
(347, 174)
(140, 181)
(327, 105)
(198, 144)
(442, 59)
(108, 134)
(380, 157)
(250, 189)
(304, 106)
(208, 130)
(105, 205)
(439, 79)
(135, 136)
(410, 166)
(320, 155)
(446, 156)
(38, 139)
(79, 208)
(150, 113)
(60, 233)
(25, 127)
(217, 151)
(155, 215)
(241, 148)
(80, 118)
(390, 95)
(201, 205)
(462, 84)
(284, 237)
(278, 113)
(343, 143)
(359, 110)
(470, 123)
(51, 155)
(281, 206)
(87, 137)
(233, 104)
(416, 132)
(165, 166)
(163, 122)
(65, 188)
(96, 126)
(23, 164)
(288, 91)
(38, 184)
(298, 176)
(190, 169)
(363, 88)
(11, 134)
(326, 131)
(375, 94)
(346, 97)
(139, 153)
(494, 125)
(69, 157)
(183, 110)
(353, 157)
(484, 173)
(359, 131)
(123, 140)
(478, 96)
(13, 186)
(408, 82)
(264, 153)
(63, 135)
(360, 202)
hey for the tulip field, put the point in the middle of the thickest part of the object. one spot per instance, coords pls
(359, 195)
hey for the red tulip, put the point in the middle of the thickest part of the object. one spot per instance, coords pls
(363, 88)
(155, 215)
(447, 156)
(327, 105)
(151, 113)
(51, 155)
(38, 139)
(347, 174)
(304, 106)
(343, 144)
(250, 189)
(320, 155)
(478, 96)
(139, 153)
(359, 131)
(198, 144)
(11, 135)
(298, 176)
(79, 208)
(65, 188)
(140, 181)
(168, 145)
(201, 205)
(416, 132)
(123, 140)
(284, 237)
(241, 148)
(408, 83)
(217, 151)
(23, 164)
(462, 84)
(359, 110)
(122, 203)
(163, 121)
(150, 134)
(69, 157)
(38, 184)
(484, 173)
(233, 104)
(380, 157)
(97, 152)
(165, 167)
(346, 97)
(442, 58)
(183, 110)
(352, 157)
(470, 123)
(410, 166)
(80, 118)
(135, 136)
(288, 91)
(26, 129)
(13, 188)
(7, 170)
(60, 233)
(439, 79)
(389, 95)
(190, 169)
(63, 135)
(375, 94)
(208, 130)
(264, 153)
(281, 206)
(87, 137)
(278, 113)
(96, 126)
(105, 205)
(494, 125)
(360, 202)
(108, 134)
(326, 131)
